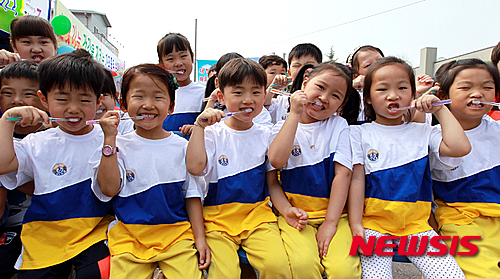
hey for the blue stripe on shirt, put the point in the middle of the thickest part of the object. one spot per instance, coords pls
(480, 187)
(410, 182)
(75, 201)
(312, 180)
(245, 187)
(177, 120)
(160, 204)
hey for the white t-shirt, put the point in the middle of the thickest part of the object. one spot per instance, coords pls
(396, 159)
(125, 126)
(188, 103)
(278, 109)
(473, 186)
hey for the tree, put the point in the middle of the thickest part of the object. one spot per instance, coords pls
(331, 55)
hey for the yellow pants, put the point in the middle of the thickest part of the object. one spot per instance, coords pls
(486, 263)
(303, 253)
(178, 261)
(264, 249)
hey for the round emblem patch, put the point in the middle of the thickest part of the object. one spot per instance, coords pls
(59, 169)
(223, 160)
(296, 150)
(130, 176)
(372, 155)
(284, 116)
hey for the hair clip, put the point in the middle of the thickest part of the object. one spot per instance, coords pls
(172, 82)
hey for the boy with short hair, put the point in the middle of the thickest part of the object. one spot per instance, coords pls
(300, 55)
(18, 87)
(64, 225)
(236, 210)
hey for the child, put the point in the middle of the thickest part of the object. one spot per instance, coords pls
(395, 157)
(263, 118)
(64, 225)
(469, 196)
(236, 209)
(19, 86)
(316, 176)
(32, 38)
(147, 174)
(174, 52)
(300, 55)
(108, 103)
(274, 66)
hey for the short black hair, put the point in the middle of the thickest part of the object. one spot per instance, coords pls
(170, 41)
(269, 60)
(109, 84)
(77, 69)
(20, 69)
(153, 71)
(239, 69)
(305, 49)
(30, 25)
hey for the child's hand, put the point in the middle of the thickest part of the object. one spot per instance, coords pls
(7, 57)
(109, 123)
(424, 103)
(31, 116)
(297, 102)
(296, 217)
(358, 230)
(281, 82)
(324, 236)
(186, 129)
(424, 83)
(212, 98)
(203, 253)
(358, 82)
(209, 117)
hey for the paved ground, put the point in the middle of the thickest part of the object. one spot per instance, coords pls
(405, 271)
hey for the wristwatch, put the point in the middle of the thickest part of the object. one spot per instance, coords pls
(108, 150)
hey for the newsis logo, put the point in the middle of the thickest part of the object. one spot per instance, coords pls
(377, 246)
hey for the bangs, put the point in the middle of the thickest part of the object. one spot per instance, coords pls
(238, 70)
(32, 26)
(173, 41)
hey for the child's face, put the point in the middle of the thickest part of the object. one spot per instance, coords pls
(272, 71)
(297, 63)
(18, 92)
(35, 48)
(78, 105)
(365, 59)
(471, 84)
(148, 98)
(179, 61)
(247, 95)
(327, 88)
(107, 103)
(391, 88)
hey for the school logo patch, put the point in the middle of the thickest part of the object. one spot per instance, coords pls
(223, 160)
(130, 176)
(296, 150)
(372, 155)
(59, 169)
(284, 116)
(455, 168)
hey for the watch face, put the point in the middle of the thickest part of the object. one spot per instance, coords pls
(106, 150)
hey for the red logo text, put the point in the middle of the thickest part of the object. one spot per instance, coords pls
(415, 248)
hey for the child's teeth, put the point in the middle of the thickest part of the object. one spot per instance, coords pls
(74, 119)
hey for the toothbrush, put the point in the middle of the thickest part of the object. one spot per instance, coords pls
(233, 113)
(485, 103)
(433, 104)
(289, 79)
(175, 72)
(276, 91)
(96, 121)
(50, 119)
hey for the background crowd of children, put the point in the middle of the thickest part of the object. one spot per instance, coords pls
(287, 160)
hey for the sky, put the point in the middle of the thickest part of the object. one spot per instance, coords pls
(400, 28)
